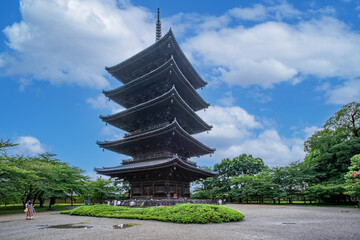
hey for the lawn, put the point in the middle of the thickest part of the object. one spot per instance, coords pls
(18, 208)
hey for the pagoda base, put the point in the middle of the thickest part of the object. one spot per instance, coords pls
(160, 189)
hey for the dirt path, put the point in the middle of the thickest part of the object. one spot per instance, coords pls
(261, 222)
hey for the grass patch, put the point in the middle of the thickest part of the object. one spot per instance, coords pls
(181, 213)
(18, 208)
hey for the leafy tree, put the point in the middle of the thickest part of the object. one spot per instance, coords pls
(327, 192)
(331, 156)
(4, 145)
(243, 164)
(347, 117)
(220, 186)
(330, 149)
(12, 177)
(353, 178)
(36, 177)
(102, 189)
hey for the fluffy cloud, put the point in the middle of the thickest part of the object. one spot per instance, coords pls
(29, 145)
(309, 131)
(273, 52)
(345, 93)
(67, 41)
(260, 12)
(228, 100)
(101, 102)
(236, 131)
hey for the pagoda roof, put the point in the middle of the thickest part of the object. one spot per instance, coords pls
(127, 170)
(171, 137)
(154, 56)
(157, 82)
(164, 108)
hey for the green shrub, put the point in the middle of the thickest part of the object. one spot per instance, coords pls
(181, 213)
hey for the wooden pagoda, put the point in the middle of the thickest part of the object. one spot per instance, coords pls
(160, 97)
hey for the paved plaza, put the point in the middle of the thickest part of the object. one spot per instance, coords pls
(261, 222)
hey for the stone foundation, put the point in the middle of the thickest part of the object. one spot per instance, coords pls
(165, 202)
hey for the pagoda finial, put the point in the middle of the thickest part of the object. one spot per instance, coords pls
(158, 26)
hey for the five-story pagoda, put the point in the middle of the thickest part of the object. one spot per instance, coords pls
(160, 97)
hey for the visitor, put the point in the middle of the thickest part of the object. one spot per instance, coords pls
(175, 196)
(168, 195)
(158, 203)
(118, 203)
(220, 202)
(86, 202)
(132, 203)
(29, 209)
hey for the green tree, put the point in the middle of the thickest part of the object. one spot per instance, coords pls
(36, 177)
(353, 178)
(102, 189)
(56, 179)
(243, 164)
(220, 186)
(12, 177)
(330, 150)
(347, 117)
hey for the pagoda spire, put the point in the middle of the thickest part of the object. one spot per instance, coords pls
(158, 26)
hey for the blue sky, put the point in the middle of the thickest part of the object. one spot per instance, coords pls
(276, 71)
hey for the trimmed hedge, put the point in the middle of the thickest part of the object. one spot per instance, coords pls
(181, 213)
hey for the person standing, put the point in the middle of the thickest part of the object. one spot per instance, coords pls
(30, 210)
(158, 203)
(220, 202)
(132, 203)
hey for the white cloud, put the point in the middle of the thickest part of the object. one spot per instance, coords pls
(343, 94)
(260, 12)
(309, 131)
(228, 100)
(69, 41)
(257, 95)
(94, 176)
(273, 52)
(101, 102)
(235, 132)
(256, 13)
(65, 42)
(229, 124)
(230, 116)
(28, 145)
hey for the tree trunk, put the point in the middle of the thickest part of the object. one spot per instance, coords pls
(52, 202)
(41, 201)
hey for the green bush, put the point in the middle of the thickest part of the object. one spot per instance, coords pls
(181, 213)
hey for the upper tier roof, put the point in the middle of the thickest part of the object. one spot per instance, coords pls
(128, 170)
(156, 83)
(164, 108)
(154, 56)
(172, 138)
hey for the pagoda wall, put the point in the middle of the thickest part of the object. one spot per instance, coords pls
(159, 188)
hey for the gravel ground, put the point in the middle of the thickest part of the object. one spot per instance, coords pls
(261, 222)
